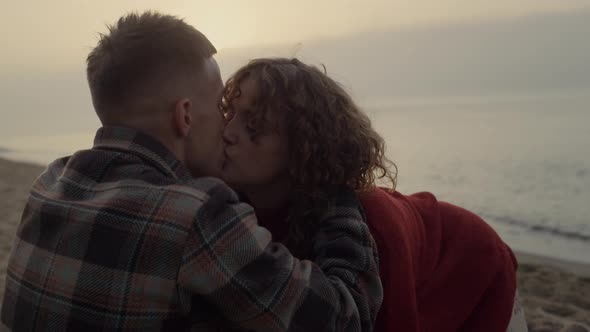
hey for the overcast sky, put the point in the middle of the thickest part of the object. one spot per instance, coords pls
(44, 44)
(54, 34)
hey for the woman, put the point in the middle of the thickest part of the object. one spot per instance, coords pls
(292, 132)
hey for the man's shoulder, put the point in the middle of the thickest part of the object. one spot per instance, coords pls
(127, 174)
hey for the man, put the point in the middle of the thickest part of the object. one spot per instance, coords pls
(122, 237)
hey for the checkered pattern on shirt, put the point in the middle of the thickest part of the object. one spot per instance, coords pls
(120, 237)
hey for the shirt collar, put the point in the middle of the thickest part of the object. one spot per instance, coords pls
(147, 147)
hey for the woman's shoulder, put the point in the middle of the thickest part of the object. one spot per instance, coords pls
(389, 211)
(389, 199)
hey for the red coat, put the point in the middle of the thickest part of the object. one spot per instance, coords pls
(442, 267)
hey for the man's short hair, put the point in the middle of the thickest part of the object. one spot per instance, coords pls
(137, 55)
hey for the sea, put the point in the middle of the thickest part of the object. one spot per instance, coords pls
(520, 162)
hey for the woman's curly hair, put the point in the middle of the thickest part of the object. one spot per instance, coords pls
(330, 140)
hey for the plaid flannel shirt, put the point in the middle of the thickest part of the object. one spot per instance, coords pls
(121, 237)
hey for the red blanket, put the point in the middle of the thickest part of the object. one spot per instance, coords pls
(442, 267)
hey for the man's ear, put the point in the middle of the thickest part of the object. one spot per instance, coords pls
(183, 116)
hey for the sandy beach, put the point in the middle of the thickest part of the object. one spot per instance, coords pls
(555, 294)
(15, 181)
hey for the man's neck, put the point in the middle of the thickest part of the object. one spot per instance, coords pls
(152, 125)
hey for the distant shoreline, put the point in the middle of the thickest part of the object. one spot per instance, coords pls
(21, 171)
(4, 157)
(29, 158)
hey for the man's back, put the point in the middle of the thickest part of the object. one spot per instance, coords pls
(98, 246)
(120, 237)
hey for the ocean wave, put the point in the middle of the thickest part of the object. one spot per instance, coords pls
(583, 234)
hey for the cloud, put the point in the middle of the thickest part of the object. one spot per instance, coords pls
(531, 54)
